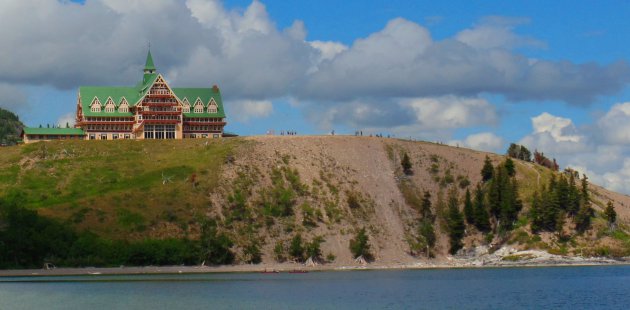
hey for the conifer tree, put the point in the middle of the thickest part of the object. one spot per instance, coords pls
(482, 220)
(427, 234)
(425, 207)
(487, 170)
(611, 214)
(455, 221)
(468, 208)
(296, 250)
(509, 167)
(573, 197)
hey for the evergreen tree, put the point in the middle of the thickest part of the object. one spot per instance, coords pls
(425, 207)
(583, 217)
(406, 164)
(455, 221)
(573, 197)
(509, 167)
(482, 220)
(611, 214)
(487, 170)
(468, 209)
(40, 125)
(47, 125)
(67, 125)
(427, 234)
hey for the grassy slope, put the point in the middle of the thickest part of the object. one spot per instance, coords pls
(140, 189)
(117, 187)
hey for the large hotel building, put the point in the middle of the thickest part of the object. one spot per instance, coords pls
(149, 110)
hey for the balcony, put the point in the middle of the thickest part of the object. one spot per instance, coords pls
(195, 123)
(143, 112)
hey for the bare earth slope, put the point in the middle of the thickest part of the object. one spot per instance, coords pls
(336, 167)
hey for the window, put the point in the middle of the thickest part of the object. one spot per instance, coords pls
(204, 135)
(115, 137)
(124, 107)
(103, 137)
(109, 106)
(212, 106)
(127, 136)
(215, 135)
(92, 137)
(96, 106)
(192, 135)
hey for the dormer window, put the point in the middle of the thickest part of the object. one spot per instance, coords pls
(212, 106)
(124, 107)
(186, 107)
(96, 106)
(110, 107)
(198, 106)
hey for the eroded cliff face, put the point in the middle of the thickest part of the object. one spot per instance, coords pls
(337, 185)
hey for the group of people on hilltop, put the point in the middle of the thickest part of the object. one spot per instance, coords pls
(288, 133)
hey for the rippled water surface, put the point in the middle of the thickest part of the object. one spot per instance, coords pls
(606, 287)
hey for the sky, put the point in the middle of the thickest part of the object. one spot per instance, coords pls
(551, 75)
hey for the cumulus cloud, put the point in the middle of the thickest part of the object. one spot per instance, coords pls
(554, 134)
(485, 141)
(423, 118)
(68, 118)
(600, 150)
(615, 125)
(403, 60)
(244, 110)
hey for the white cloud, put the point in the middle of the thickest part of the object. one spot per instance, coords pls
(68, 118)
(496, 32)
(615, 125)
(485, 141)
(451, 112)
(561, 129)
(244, 110)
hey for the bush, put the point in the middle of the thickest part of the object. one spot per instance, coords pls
(359, 245)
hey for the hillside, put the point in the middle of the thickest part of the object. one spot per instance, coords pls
(10, 128)
(259, 193)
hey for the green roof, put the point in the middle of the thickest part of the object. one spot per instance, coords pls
(53, 131)
(205, 94)
(134, 94)
(149, 64)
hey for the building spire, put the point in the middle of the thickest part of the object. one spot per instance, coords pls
(149, 67)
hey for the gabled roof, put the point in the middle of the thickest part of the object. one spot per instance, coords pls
(205, 94)
(134, 94)
(52, 131)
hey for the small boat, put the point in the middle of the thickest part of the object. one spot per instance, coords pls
(298, 271)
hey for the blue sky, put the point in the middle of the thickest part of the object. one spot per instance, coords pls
(549, 74)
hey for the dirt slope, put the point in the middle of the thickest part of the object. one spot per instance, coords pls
(370, 167)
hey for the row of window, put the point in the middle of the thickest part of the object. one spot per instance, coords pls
(114, 136)
(109, 119)
(55, 137)
(108, 128)
(202, 128)
(204, 119)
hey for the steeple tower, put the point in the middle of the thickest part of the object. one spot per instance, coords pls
(149, 67)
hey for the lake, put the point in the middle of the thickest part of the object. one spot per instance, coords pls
(597, 287)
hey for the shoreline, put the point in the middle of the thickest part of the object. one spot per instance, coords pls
(291, 267)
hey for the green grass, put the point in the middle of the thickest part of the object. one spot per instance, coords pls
(142, 178)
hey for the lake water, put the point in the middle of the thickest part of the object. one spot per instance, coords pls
(603, 287)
